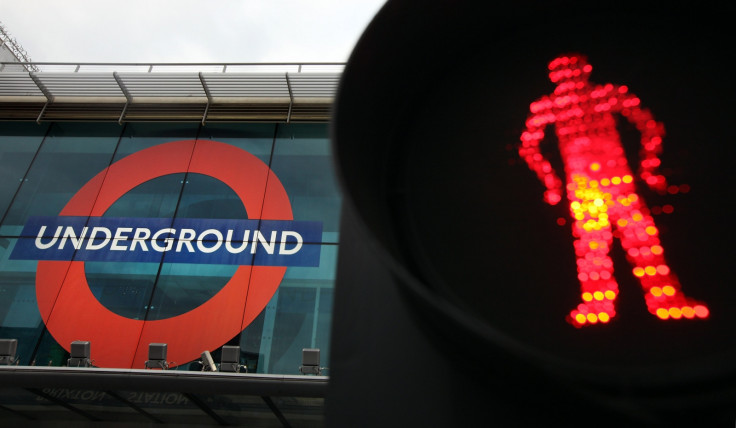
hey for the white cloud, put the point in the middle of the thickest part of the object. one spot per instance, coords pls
(188, 30)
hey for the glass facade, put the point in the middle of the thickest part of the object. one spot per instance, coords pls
(68, 168)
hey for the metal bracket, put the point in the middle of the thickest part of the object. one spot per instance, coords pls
(291, 97)
(128, 97)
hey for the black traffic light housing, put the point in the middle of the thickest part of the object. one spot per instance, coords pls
(454, 277)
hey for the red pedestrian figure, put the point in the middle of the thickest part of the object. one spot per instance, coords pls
(601, 192)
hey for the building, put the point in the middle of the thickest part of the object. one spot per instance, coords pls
(205, 200)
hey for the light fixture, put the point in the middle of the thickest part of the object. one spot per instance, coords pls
(208, 364)
(157, 356)
(8, 348)
(80, 354)
(310, 362)
(230, 360)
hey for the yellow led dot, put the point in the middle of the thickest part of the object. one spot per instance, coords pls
(604, 317)
(579, 216)
(598, 295)
(592, 318)
(605, 182)
(595, 166)
(688, 312)
(637, 217)
(651, 230)
(650, 270)
(668, 290)
(663, 313)
(580, 318)
(622, 222)
(675, 313)
(638, 271)
(587, 296)
(627, 179)
(610, 294)
(633, 197)
(575, 205)
(593, 245)
(657, 250)
(656, 291)
(616, 180)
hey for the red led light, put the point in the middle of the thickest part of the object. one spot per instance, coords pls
(601, 192)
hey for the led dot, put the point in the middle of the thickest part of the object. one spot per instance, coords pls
(582, 276)
(592, 318)
(663, 269)
(575, 205)
(587, 296)
(668, 290)
(598, 295)
(650, 270)
(663, 313)
(651, 230)
(605, 182)
(627, 179)
(604, 317)
(701, 311)
(595, 276)
(595, 166)
(688, 312)
(668, 209)
(656, 291)
(593, 245)
(561, 221)
(610, 294)
(633, 252)
(638, 271)
(622, 222)
(637, 217)
(616, 180)
(580, 318)
(675, 313)
(657, 250)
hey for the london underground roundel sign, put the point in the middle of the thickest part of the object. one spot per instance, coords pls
(70, 310)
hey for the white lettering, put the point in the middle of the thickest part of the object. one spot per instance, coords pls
(40, 245)
(268, 246)
(200, 241)
(119, 237)
(69, 233)
(139, 238)
(105, 231)
(169, 241)
(185, 238)
(228, 242)
(297, 247)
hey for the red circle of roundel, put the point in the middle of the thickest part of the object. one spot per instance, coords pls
(70, 310)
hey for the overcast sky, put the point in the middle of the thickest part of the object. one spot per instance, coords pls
(187, 30)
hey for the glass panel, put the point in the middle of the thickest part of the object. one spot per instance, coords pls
(254, 138)
(70, 156)
(19, 315)
(302, 160)
(139, 136)
(301, 317)
(18, 145)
